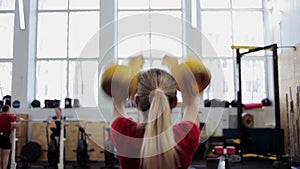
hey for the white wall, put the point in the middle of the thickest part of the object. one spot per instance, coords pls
(23, 79)
(284, 15)
(290, 25)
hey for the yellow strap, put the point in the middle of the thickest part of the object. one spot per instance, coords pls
(243, 47)
(237, 141)
(259, 156)
(247, 47)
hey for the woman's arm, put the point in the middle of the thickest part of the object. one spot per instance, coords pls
(119, 109)
(15, 124)
(191, 113)
(190, 98)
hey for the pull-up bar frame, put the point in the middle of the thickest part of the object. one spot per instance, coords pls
(241, 127)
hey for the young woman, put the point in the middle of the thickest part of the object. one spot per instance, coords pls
(7, 122)
(156, 143)
(57, 118)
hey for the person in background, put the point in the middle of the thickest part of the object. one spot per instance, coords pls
(7, 122)
(57, 119)
(156, 143)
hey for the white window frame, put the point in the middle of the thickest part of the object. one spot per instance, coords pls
(4, 59)
(152, 59)
(232, 57)
(67, 58)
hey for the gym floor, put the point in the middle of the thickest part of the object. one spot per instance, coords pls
(246, 164)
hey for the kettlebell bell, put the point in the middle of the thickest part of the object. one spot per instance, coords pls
(118, 79)
(191, 67)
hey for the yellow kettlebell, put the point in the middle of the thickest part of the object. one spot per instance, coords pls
(121, 80)
(190, 69)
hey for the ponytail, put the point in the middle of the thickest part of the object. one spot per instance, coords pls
(158, 148)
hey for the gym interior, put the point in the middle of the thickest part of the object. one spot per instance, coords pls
(52, 54)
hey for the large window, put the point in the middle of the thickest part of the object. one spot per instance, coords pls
(222, 24)
(68, 50)
(151, 27)
(7, 9)
(234, 22)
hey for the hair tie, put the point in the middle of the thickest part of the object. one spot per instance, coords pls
(158, 90)
(153, 93)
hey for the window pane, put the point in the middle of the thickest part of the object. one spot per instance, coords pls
(158, 64)
(53, 4)
(215, 3)
(7, 5)
(166, 39)
(52, 35)
(6, 78)
(51, 80)
(171, 20)
(253, 81)
(124, 15)
(133, 45)
(165, 4)
(247, 4)
(84, 4)
(6, 35)
(222, 82)
(133, 4)
(248, 31)
(83, 27)
(140, 20)
(83, 82)
(216, 27)
(132, 39)
(161, 46)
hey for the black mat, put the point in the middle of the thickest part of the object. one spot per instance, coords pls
(246, 164)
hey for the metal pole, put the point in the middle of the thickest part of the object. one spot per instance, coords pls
(13, 164)
(291, 128)
(61, 143)
(239, 99)
(297, 126)
(277, 104)
(288, 122)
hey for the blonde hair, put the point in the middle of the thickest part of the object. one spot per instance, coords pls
(156, 90)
